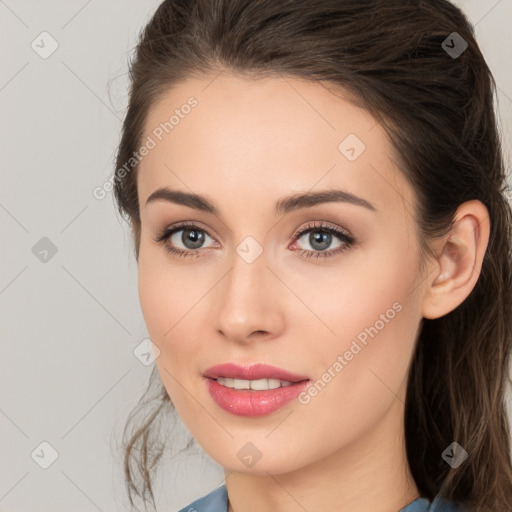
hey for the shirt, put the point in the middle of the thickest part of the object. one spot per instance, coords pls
(217, 501)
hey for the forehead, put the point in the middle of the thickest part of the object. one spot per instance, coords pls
(231, 136)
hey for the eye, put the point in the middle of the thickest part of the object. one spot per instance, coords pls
(192, 237)
(320, 239)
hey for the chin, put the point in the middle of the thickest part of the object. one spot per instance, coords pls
(261, 467)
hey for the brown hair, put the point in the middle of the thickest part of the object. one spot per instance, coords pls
(437, 109)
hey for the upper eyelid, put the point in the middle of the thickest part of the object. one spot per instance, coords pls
(184, 225)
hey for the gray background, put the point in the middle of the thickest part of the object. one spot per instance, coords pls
(70, 323)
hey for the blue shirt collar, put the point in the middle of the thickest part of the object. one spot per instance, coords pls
(217, 501)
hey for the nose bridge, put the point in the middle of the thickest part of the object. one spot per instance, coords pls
(248, 301)
(249, 262)
(245, 283)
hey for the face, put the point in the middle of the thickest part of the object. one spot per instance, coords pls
(328, 290)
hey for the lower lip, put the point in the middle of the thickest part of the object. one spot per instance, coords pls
(246, 402)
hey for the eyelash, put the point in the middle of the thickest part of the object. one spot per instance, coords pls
(348, 240)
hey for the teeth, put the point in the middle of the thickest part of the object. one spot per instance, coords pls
(258, 385)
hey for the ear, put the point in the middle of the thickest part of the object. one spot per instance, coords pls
(459, 261)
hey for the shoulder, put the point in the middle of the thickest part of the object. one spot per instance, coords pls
(438, 505)
(215, 501)
(442, 505)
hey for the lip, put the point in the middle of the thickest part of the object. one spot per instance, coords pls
(249, 402)
(252, 372)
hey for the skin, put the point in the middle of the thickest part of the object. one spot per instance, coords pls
(247, 144)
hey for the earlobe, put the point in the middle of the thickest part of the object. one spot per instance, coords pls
(457, 268)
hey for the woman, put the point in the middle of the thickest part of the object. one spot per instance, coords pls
(316, 192)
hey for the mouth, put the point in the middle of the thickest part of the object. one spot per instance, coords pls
(255, 390)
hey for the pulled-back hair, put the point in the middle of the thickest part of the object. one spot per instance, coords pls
(437, 109)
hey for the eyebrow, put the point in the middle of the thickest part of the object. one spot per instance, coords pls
(284, 205)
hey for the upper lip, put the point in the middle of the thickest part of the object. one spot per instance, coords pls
(252, 372)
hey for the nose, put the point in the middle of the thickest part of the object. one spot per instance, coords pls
(249, 302)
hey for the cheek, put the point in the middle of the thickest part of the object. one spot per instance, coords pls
(157, 306)
(167, 304)
(164, 298)
(365, 284)
(358, 372)
(173, 300)
(367, 316)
